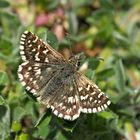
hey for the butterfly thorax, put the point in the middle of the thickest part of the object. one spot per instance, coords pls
(75, 61)
(64, 75)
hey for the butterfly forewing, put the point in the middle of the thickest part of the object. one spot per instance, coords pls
(55, 81)
(40, 62)
(34, 49)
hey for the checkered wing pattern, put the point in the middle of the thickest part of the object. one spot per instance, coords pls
(66, 103)
(39, 60)
(55, 81)
(34, 49)
(92, 99)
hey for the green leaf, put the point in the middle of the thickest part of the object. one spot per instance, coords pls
(16, 126)
(24, 136)
(93, 63)
(5, 46)
(3, 78)
(108, 115)
(67, 125)
(73, 26)
(52, 40)
(2, 101)
(4, 4)
(120, 76)
(4, 121)
(42, 125)
(43, 117)
(18, 113)
(52, 5)
(105, 74)
(129, 111)
(90, 74)
(60, 136)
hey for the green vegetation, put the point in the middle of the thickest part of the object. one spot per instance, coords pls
(108, 32)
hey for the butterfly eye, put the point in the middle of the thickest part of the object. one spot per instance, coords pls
(78, 63)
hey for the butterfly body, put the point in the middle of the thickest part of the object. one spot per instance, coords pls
(56, 81)
(63, 75)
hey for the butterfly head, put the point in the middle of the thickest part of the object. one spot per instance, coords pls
(76, 60)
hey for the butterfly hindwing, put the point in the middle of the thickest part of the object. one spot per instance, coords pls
(66, 103)
(35, 76)
(92, 99)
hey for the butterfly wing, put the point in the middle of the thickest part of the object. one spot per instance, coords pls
(64, 102)
(40, 62)
(92, 99)
(34, 49)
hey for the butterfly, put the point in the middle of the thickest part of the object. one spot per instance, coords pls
(56, 81)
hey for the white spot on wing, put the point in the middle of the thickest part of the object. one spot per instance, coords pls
(23, 57)
(68, 110)
(74, 106)
(22, 39)
(33, 50)
(55, 112)
(26, 32)
(20, 76)
(60, 115)
(108, 102)
(33, 91)
(30, 45)
(64, 107)
(29, 68)
(21, 42)
(67, 117)
(84, 110)
(94, 110)
(75, 116)
(46, 60)
(19, 68)
(21, 47)
(99, 109)
(84, 97)
(28, 88)
(89, 110)
(88, 88)
(100, 94)
(71, 99)
(35, 39)
(90, 98)
(23, 83)
(95, 101)
(93, 93)
(25, 63)
(80, 88)
(22, 52)
(38, 72)
(45, 51)
(52, 107)
(36, 64)
(102, 107)
(23, 36)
